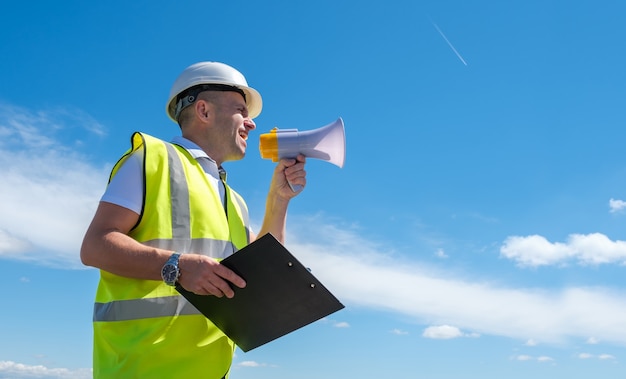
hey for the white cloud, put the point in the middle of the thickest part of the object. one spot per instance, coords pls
(440, 253)
(374, 278)
(592, 341)
(399, 332)
(606, 357)
(616, 205)
(602, 357)
(249, 364)
(534, 250)
(544, 358)
(525, 358)
(531, 342)
(334, 323)
(589, 249)
(253, 364)
(10, 243)
(40, 128)
(13, 370)
(442, 332)
(49, 191)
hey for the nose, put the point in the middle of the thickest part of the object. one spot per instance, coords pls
(249, 124)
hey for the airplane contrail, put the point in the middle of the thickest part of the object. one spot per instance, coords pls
(449, 44)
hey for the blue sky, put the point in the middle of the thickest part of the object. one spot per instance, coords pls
(477, 229)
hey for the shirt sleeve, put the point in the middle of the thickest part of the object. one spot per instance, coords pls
(126, 186)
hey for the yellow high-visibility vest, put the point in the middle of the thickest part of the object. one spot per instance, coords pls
(144, 328)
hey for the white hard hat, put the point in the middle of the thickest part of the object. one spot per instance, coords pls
(218, 76)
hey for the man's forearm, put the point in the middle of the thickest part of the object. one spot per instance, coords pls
(275, 219)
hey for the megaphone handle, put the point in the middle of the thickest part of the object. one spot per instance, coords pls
(295, 187)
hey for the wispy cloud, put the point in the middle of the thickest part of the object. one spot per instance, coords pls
(376, 278)
(399, 332)
(544, 358)
(341, 324)
(253, 364)
(606, 357)
(440, 253)
(335, 323)
(602, 357)
(249, 364)
(524, 358)
(445, 332)
(49, 190)
(41, 127)
(13, 370)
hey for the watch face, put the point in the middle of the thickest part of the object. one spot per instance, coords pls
(169, 273)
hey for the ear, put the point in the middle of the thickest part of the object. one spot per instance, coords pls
(202, 110)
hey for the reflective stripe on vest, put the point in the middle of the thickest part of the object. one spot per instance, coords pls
(124, 310)
(179, 196)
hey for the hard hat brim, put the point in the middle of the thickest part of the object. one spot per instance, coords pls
(254, 102)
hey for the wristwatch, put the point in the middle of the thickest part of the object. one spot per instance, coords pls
(170, 271)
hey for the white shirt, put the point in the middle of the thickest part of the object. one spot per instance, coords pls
(126, 187)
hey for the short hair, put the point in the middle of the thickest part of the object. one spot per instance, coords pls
(190, 95)
(210, 96)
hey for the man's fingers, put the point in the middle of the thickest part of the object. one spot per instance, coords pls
(228, 275)
(206, 276)
(219, 284)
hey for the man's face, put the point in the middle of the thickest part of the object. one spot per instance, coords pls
(231, 125)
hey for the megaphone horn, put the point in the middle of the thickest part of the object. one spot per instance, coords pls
(327, 143)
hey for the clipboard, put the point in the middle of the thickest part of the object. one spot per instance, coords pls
(281, 296)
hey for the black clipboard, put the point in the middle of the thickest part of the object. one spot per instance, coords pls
(281, 295)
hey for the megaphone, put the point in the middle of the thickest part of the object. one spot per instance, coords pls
(327, 143)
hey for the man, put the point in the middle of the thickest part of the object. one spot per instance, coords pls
(167, 217)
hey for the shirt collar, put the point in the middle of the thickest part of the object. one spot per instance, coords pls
(207, 163)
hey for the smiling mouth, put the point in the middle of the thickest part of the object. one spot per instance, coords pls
(243, 135)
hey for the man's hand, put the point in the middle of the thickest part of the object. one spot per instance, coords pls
(288, 171)
(203, 275)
